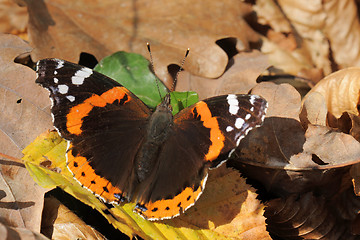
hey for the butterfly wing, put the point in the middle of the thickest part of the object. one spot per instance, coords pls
(203, 136)
(97, 115)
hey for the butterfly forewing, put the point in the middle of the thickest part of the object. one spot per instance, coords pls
(97, 115)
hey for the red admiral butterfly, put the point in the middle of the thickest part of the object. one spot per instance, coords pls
(120, 149)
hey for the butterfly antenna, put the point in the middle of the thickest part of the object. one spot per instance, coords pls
(153, 69)
(180, 69)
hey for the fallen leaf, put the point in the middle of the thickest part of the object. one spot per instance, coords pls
(20, 233)
(240, 77)
(308, 21)
(64, 29)
(285, 158)
(23, 102)
(341, 91)
(13, 18)
(342, 28)
(61, 223)
(314, 110)
(21, 119)
(270, 14)
(307, 217)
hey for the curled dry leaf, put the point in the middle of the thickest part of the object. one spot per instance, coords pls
(64, 29)
(308, 20)
(342, 28)
(348, 123)
(284, 60)
(285, 158)
(302, 43)
(240, 77)
(270, 14)
(341, 91)
(319, 27)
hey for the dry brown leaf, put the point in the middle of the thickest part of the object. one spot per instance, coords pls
(333, 148)
(64, 29)
(314, 110)
(270, 14)
(60, 223)
(21, 120)
(22, 107)
(20, 197)
(283, 100)
(319, 27)
(301, 47)
(13, 18)
(307, 217)
(308, 20)
(228, 207)
(285, 154)
(240, 77)
(341, 91)
(355, 126)
(285, 61)
(342, 28)
(12, 233)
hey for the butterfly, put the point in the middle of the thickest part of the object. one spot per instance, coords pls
(121, 150)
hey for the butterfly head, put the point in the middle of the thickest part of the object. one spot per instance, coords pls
(165, 104)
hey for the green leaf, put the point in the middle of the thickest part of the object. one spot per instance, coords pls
(132, 71)
(181, 100)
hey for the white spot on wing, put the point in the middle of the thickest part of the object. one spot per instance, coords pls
(80, 76)
(71, 98)
(60, 63)
(239, 123)
(248, 116)
(37, 66)
(63, 89)
(252, 99)
(55, 72)
(233, 104)
(229, 128)
(56, 80)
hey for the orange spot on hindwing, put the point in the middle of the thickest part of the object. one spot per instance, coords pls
(169, 208)
(78, 112)
(85, 174)
(216, 137)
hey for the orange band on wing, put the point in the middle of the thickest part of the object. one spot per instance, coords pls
(77, 113)
(216, 137)
(85, 174)
(169, 208)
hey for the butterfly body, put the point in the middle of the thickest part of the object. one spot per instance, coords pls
(120, 149)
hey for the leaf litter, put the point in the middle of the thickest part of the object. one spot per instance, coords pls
(305, 154)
